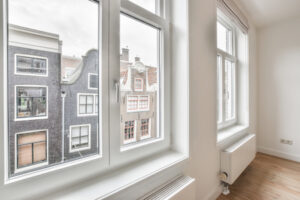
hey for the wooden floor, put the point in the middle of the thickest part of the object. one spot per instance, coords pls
(267, 178)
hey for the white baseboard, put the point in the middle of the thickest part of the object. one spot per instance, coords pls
(279, 154)
(215, 193)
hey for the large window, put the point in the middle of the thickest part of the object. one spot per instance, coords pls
(144, 67)
(52, 65)
(226, 74)
(31, 102)
(31, 65)
(96, 104)
(31, 149)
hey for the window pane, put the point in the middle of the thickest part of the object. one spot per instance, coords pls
(150, 5)
(229, 90)
(93, 81)
(142, 70)
(219, 89)
(58, 41)
(224, 38)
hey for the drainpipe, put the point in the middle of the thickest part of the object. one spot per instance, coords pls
(63, 95)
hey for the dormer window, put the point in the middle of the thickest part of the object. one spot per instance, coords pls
(138, 84)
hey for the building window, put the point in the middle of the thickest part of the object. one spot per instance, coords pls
(226, 74)
(31, 65)
(31, 102)
(93, 81)
(143, 103)
(136, 103)
(129, 131)
(87, 104)
(80, 137)
(132, 103)
(145, 128)
(31, 149)
(138, 84)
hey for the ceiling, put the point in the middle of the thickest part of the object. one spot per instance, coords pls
(265, 12)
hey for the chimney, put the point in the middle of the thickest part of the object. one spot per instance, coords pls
(125, 54)
(137, 59)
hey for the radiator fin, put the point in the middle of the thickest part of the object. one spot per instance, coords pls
(169, 190)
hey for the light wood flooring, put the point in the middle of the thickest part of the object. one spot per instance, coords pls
(267, 178)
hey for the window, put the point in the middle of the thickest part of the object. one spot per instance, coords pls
(146, 68)
(226, 76)
(31, 102)
(129, 132)
(87, 104)
(93, 81)
(132, 103)
(31, 65)
(63, 100)
(138, 85)
(137, 103)
(143, 103)
(145, 128)
(80, 137)
(55, 67)
(31, 149)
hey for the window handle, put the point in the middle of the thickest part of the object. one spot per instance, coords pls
(117, 88)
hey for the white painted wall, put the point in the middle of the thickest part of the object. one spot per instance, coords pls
(205, 163)
(279, 88)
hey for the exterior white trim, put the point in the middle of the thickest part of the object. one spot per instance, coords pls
(89, 86)
(94, 103)
(70, 138)
(34, 165)
(30, 74)
(134, 133)
(142, 85)
(31, 118)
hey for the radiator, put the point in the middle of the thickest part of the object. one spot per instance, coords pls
(179, 189)
(236, 158)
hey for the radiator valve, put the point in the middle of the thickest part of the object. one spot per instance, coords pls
(223, 176)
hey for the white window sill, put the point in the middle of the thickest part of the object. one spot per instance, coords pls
(119, 180)
(227, 134)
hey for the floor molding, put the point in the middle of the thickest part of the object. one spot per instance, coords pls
(215, 193)
(279, 154)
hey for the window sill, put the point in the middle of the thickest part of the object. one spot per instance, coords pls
(120, 180)
(230, 133)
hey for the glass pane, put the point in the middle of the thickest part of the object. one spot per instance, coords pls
(219, 89)
(224, 38)
(63, 45)
(84, 130)
(145, 68)
(150, 5)
(31, 102)
(75, 132)
(93, 81)
(229, 90)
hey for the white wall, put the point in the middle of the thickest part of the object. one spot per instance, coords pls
(205, 163)
(279, 88)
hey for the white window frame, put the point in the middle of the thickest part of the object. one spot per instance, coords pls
(223, 123)
(134, 133)
(23, 169)
(71, 150)
(149, 129)
(30, 74)
(94, 104)
(142, 85)
(89, 81)
(31, 118)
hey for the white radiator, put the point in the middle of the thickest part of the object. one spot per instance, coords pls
(236, 158)
(179, 189)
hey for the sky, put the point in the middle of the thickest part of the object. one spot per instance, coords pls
(76, 23)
